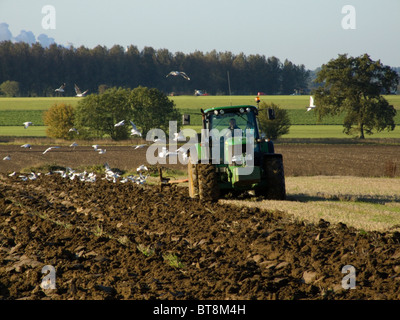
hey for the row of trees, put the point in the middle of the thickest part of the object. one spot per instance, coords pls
(39, 71)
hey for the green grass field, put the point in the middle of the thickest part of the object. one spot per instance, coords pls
(15, 111)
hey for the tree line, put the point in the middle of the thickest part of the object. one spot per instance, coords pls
(38, 71)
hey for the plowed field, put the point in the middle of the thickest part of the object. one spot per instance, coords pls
(110, 240)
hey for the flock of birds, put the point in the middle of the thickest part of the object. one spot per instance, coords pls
(85, 176)
(78, 91)
(109, 174)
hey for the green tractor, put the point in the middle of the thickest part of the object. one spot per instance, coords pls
(232, 157)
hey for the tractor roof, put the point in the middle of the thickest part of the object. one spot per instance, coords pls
(229, 107)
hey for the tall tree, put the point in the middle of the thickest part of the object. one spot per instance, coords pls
(353, 86)
(151, 109)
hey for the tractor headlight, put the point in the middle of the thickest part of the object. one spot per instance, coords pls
(216, 112)
(247, 110)
(241, 110)
(221, 112)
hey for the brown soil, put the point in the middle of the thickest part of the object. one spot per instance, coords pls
(93, 234)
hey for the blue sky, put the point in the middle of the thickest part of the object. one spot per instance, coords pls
(305, 32)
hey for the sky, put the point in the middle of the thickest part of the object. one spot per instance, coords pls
(306, 32)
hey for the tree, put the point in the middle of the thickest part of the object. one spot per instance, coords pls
(152, 109)
(273, 129)
(59, 118)
(353, 86)
(10, 88)
(96, 115)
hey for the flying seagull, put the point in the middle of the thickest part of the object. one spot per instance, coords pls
(79, 93)
(311, 106)
(73, 145)
(179, 136)
(60, 89)
(119, 124)
(134, 130)
(7, 157)
(178, 73)
(27, 146)
(139, 146)
(27, 124)
(73, 130)
(49, 148)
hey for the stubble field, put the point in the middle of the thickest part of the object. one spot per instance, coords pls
(120, 241)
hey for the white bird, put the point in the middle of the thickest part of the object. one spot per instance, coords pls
(95, 147)
(163, 153)
(134, 130)
(50, 148)
(142, 167)
(12, 174)
(74, 144)
(60, 89)
(159, 140)
(178, 73)
(179, 136)
(78, 91)
(139, 146)
(73, 130)
(7, 157)
(27, 124)
(27, 146)
(311, 106)
(119, 124)
(102, 151)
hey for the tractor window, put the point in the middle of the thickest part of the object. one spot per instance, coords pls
(243, 121)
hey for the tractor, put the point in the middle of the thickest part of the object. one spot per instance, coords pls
(231, 156)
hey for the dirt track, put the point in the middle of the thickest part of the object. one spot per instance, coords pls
(90, 233)
(110, 241)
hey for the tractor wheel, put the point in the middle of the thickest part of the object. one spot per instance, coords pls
(208, 182)
(275, 178)
(193, 180)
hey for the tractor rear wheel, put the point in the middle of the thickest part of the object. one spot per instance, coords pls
(274, 178)
(208, 182)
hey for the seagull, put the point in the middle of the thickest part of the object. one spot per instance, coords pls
(27, 146)
(60, 89)
(49, 148)
(95, 147)
(311, 106)
(74, 144)
(134, 130)
(179, 136)
(142, 167)
(178, 73)
(119, 124)
(7, 157)
(102, 151)
(159, 140)
(163, 153)
(78, 91)
(73, 130)
(27, 124)
(139, 146)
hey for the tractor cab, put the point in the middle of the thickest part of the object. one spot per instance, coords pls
(232, 156)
